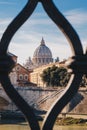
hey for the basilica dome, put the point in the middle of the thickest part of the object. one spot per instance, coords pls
(42, 54)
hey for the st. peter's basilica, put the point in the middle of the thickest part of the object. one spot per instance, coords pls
(42, 56)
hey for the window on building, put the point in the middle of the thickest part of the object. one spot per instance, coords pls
(17, 68)
(20, 77)
(26, 77)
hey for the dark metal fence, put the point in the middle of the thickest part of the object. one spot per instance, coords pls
(76, 64)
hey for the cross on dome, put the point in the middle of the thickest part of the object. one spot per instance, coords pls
(42, 41)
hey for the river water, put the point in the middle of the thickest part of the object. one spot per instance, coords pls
(25, 127)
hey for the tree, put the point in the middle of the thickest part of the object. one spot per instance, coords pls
(58, 76)
(64, 76)
(46, 76)
(55, 76)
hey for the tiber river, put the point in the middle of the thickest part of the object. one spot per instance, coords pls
(25, 127)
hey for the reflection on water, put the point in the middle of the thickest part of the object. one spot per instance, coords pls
(25, 127)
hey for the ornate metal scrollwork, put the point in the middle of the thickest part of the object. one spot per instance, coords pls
(77, 63)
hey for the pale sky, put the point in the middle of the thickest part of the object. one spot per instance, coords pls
(39, 25)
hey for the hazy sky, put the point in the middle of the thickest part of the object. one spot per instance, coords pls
(39, 25)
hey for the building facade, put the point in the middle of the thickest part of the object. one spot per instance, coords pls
(19, 75)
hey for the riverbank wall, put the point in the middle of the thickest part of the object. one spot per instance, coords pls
(43, 98)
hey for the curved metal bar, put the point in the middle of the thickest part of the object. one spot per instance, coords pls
(64, 26)
(11, 92)
(62, 101)
(16, 24)
(19, 101)
(76, 47)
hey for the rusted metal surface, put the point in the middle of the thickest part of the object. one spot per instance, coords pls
(76, 64)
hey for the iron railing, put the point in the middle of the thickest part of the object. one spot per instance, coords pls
(76, 64)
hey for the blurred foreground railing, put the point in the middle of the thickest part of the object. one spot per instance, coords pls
(76, 64)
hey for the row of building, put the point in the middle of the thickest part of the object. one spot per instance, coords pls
(29, 73)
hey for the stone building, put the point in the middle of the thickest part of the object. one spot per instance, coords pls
(19, 75)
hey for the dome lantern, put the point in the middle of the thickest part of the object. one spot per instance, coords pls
(42, 42)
